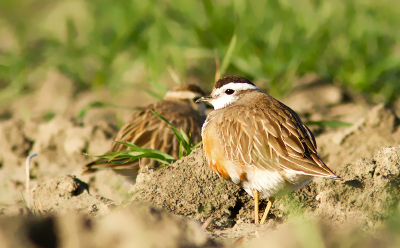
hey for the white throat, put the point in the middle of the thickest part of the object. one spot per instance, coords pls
(221, 99)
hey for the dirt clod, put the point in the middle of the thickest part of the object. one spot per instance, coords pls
(67, 193)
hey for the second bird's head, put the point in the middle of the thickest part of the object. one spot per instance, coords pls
(188, 92)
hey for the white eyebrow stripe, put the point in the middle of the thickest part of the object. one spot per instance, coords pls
(221, 99)
(238, 86)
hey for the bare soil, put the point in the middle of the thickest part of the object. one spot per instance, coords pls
(186, 204)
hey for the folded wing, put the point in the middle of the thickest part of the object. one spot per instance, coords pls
(271, 140)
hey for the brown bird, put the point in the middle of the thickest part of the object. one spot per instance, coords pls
(257, 142)
(146, 130)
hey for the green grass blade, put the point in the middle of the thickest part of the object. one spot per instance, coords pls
(197, 145)
(132, 156)
(185, 137)
(176, 132)
(190, 139)
(137, 152)
(145, 150)
(111, 155)
(132, 146)
(188, 148)
(180, 150)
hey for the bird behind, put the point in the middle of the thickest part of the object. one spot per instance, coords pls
(146, 130)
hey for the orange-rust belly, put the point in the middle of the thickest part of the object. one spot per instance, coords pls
(214, 154)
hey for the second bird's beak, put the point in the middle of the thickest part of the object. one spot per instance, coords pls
(204, 99)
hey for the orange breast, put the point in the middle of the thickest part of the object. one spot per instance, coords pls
(214, 153)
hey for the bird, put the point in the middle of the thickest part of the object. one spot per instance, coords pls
(146, 130)
(258, 143)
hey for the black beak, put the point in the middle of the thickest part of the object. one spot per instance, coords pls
(204, 99)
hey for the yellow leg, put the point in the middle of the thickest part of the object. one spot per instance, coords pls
(255, 195)
(269, 205)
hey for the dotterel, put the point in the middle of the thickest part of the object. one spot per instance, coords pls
(259, 143)
(146, 130)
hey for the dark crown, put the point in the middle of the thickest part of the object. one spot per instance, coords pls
(231, 79)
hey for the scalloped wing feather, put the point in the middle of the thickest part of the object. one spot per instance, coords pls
(271, 140)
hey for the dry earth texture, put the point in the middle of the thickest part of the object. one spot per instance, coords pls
(186, 204)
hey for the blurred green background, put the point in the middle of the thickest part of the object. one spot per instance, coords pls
(115, 44)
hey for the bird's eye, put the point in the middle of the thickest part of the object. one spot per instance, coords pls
(229, 91)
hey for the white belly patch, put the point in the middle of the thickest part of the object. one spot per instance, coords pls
(271, 183)
(268, 183)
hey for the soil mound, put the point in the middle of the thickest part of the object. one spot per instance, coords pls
(190, 188)
(368, 195)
